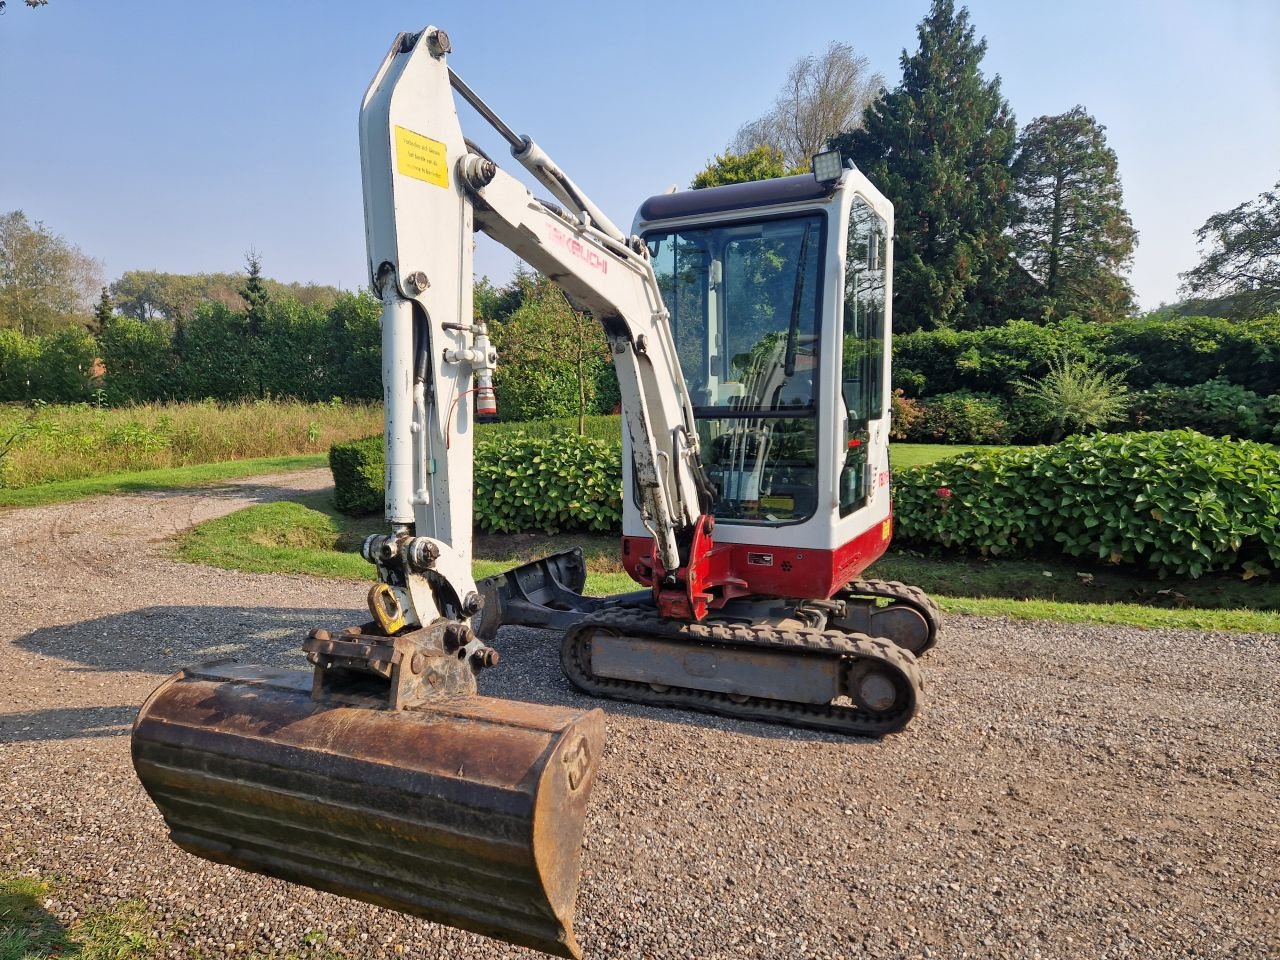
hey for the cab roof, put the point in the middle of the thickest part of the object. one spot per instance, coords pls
(734, 196)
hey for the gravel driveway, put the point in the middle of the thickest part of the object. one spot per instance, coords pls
(1067, 792)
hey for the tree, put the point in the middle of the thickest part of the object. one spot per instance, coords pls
(761, 163)
(46, 284)
(1071, 232)
(254, 293)
(1243, 257)
(103, 312)
(152, 295)
(822, 96)
(552, 359)
(940, 147)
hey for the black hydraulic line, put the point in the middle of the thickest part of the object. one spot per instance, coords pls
(421, 345)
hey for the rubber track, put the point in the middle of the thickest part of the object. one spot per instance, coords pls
(899, 593)
(840, 718)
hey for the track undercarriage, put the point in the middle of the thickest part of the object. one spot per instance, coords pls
(847, 665)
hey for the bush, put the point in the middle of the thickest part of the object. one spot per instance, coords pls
(1072, 397)
(18, 356)
(560, 483)
(358, 468)
(1271, 416)
(1217, 407)
(961, 417)
(139, 361)
(1177, 502)
(58, 368)
(557, 482)
(552, 361)
(598, 427)
(906, 414)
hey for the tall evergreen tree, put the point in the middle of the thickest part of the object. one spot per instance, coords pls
(103, 312)
(1071, 233)
(940, 147)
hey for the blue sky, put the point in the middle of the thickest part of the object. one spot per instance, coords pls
(176, 136)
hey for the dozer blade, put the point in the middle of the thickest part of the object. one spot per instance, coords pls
(467, 811)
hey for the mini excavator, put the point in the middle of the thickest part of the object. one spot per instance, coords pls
(749, 326)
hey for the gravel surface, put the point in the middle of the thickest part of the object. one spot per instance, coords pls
(1068, 791)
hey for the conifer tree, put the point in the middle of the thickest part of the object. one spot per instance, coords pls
(254, 293)
(1071, 233)
(940, 147)
(104, 311)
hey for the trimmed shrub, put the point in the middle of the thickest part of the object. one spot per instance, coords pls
(1271, 416)
(139, 361)
(598, 427)
(1182, 351)
(358, 468)
(1177, 502)
(1190, 350)
(65, 370)
(558, 483)
(18, 356)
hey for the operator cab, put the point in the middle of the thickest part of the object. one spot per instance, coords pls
(777, 294)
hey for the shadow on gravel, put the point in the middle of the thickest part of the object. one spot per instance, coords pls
(229, 490)
(162, 640)
(65, 723)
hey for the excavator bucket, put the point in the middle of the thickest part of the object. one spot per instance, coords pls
(464, 810)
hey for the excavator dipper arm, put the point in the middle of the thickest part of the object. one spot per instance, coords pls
(426, 190)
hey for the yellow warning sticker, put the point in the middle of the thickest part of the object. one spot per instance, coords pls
(421, 157)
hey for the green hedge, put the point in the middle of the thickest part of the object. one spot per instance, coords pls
(1216, 407)
(558, 483)
(553, 483)
(1182, 351)
(358, 468)
(1177, 502)
(600, 427)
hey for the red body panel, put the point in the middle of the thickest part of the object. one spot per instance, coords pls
(771, 571)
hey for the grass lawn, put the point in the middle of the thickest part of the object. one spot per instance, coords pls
(307, 536)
